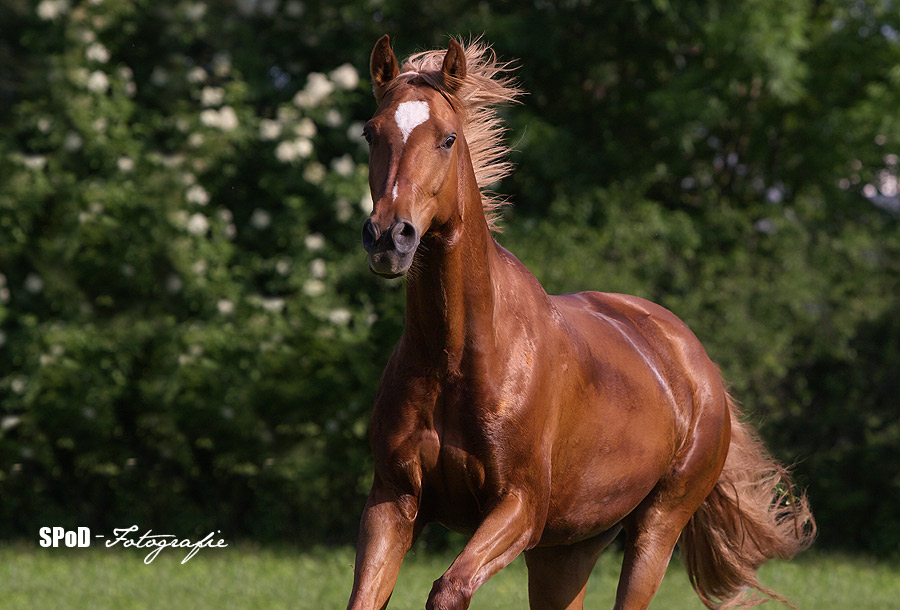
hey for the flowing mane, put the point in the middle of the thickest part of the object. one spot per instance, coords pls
(487, 84)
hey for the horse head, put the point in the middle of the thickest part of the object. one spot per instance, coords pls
(415, 142)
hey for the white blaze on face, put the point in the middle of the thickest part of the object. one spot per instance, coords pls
(410, 115)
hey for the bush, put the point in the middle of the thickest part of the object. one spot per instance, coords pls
(189, 338)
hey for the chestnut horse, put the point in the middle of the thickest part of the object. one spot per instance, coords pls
(537, 424)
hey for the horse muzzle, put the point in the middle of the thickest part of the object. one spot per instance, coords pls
(390, 250)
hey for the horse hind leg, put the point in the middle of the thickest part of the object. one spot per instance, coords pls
(652, 530)
(558, 575)
(654, 527)
(650, 541)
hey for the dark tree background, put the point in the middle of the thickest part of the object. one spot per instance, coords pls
(189, 337)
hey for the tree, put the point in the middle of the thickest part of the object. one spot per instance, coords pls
(188, 333)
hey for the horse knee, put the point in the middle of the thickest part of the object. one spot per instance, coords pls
(448, 594)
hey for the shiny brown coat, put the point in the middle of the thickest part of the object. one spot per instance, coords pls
(535, 423)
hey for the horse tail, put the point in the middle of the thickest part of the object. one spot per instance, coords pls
(752, 515)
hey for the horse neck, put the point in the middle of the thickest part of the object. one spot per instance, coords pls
(450, 293)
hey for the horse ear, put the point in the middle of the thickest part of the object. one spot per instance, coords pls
(382, 66)
(454, 66)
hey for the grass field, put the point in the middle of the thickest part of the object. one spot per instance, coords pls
(246, 577)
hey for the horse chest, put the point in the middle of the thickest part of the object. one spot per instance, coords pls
(439, 447)
(453, 487)
(455, 462)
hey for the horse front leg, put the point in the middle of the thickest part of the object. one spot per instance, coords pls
(387, 531)
(508, 529)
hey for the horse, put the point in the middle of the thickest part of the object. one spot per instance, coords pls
(532, 423)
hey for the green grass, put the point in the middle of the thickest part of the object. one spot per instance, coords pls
(246, 577)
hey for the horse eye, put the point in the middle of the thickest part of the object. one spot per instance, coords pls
(367, 135)
(449, 141)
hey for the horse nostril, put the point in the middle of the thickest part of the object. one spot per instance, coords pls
(405, 237)
(369, 234)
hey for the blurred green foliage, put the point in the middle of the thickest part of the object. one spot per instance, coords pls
(189, 337)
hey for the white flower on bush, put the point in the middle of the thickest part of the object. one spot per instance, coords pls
(19, 384)
(344, 209)
(317, 268)
(125, 164)
(314, 173)
(339, 316)
(292, 150)
(97, 82)
(224, 118)
(34, 162)
(72, 142)
(97, 52)
(317, 88)
(33, 283)
(196, 75)
(314, 241)
(51, 9)
(195, 11)
(197, 194)
(314, 287)
(225, 307)
(283, 266)
(273, 304)
(171, 161)
(197, 224)
(333, 118)
(228, 118)
(305, 128)
(889, 184)
(212, 96)
(343, 166)
(269, 129)
(345, 76)
(366, 204)
(260, 219)
(226, 217)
